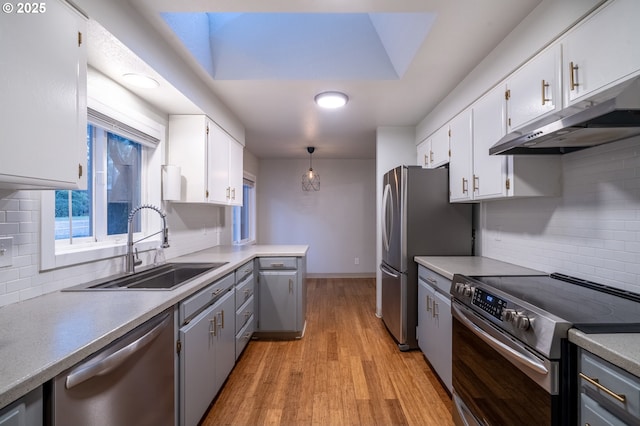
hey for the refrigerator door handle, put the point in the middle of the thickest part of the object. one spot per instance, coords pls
(388, 271)
(386, 236)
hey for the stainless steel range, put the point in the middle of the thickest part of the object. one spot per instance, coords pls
(512, 362)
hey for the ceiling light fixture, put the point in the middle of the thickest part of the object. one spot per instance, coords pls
(141, 80)
(310, 179)
(331, 100)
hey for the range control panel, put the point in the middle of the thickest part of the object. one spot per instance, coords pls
(489, 303)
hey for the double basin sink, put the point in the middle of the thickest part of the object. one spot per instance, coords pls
(164, 277)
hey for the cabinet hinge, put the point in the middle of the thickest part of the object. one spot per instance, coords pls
(449, 153)
(79, 171)
(509, 121)
(178, 346)
(508, 184)
(206, 193)
(207, 130)
(79, 39)
(449, 132)
(507, 94)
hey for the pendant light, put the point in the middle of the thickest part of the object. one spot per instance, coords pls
(310, 179)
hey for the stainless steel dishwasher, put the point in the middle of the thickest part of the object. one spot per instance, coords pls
(131, 382)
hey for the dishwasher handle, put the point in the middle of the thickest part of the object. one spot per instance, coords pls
(104, 366)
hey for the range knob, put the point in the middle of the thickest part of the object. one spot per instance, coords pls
(468, 290)
(522, 321)
(508, 315)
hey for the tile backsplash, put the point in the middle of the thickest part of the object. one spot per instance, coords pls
(592, 231)
(191, 228)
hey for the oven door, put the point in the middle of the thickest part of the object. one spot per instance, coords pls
(496, 380)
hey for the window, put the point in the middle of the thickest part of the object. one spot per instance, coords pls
(244, 216)
(125, 152)
(102, 210)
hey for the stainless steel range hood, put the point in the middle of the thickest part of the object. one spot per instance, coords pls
(607, 117)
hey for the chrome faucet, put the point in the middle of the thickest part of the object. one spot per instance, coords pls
(132, 260)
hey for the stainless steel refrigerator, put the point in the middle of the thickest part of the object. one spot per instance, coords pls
(417, 220)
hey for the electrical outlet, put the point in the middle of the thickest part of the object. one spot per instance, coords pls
(6, 251)
(356, 261)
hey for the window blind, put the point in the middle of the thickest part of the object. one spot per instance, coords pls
(115, 126)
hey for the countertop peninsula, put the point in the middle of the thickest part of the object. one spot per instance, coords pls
(43, 336)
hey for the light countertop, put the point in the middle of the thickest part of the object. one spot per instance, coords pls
(472, 265)
(43, 336)
(621, 349)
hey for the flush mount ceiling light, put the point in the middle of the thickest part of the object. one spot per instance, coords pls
(141, 80)
(311, 179)
(331, 100)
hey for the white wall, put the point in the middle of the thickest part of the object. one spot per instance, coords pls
(394, 147)
(592, 231)
(337, 222)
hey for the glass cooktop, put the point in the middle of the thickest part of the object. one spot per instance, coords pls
(590, 307)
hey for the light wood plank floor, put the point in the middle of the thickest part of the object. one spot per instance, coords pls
(345, 370)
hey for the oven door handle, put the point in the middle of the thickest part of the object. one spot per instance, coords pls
(515, 354)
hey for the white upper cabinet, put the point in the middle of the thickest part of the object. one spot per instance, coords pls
(534, 90)
(474, 175)
(489, 171)
(43, 113)
(461, 163)
(433, 152)
(423, 150)
(210, 160)
(225, 168)
(601, 51)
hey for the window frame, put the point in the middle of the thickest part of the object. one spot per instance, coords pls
(54, 255)
(251, 213)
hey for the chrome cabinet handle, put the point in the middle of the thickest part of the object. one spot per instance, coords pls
(290, 285)
(428, 303)
(214, 326)
(277, 265)
(426, 160)
(476, 179)
(436, 311)
(104, 366)
(595, 382)
(465, 186)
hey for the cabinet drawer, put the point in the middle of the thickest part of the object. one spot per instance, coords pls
(278, 263)
(194, 304)
(434, 279)
(244, 271)
(244, 313)
(244, 290)
(243, 337)
(613, 378)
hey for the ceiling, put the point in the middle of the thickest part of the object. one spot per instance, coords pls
(266, 60)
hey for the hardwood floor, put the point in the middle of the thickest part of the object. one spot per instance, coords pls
(345, 370)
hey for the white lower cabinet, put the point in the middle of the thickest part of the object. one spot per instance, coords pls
(435, 322)
(207, 348)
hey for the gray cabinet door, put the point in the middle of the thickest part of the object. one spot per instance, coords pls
(278, 300)
(225, 338)
(197, 366)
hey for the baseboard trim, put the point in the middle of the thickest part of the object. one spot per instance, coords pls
(343, 275)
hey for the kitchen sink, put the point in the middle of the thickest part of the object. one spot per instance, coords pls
(164, 277)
